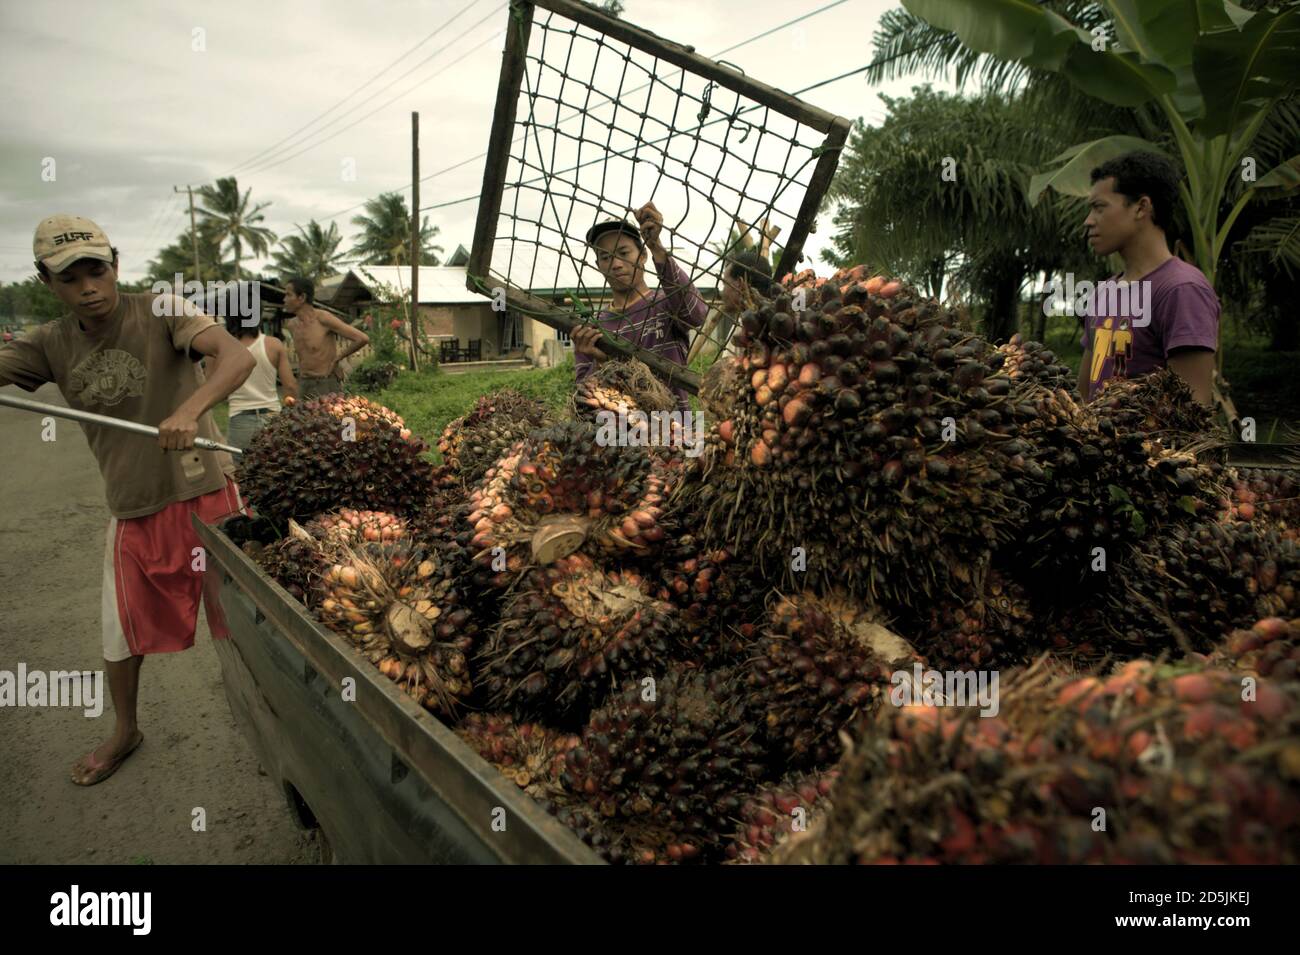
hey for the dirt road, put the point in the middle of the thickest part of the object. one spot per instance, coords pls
(53, 520)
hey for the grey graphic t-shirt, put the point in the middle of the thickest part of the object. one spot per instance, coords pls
(139, 368)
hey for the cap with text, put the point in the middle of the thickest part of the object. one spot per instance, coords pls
(61, 240)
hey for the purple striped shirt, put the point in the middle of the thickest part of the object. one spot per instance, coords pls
(659, 323)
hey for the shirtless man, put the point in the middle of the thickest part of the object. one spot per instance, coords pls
(319, 366)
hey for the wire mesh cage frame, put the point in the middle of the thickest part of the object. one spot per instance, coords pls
(834, 128)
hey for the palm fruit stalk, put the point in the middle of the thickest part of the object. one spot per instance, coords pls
(620, 387)
(569, 633)
(1185, 769)
(561, 490)
(676, 752)
(1033, 361)
(1189, 587)
(319, 456)
(399, 603)
(1160, 405)
(820, 665)
(859, 442)
(474, 442)
(530, 755)
(778, 813)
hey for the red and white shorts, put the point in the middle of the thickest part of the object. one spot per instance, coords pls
(151, 584)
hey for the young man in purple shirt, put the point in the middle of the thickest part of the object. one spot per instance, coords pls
(1168, 316)
(658, 321)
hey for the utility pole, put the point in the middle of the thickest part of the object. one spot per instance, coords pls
(415, 241)
(194, 233)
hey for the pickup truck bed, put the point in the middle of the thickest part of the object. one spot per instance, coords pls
(383, 778)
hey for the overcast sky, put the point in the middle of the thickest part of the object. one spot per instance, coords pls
(127, 107)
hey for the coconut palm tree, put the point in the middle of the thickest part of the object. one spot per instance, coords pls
(179, 258)
(314, 254)
(386, 233)
(233, 220)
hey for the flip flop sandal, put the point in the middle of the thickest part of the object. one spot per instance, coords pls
(101, 771)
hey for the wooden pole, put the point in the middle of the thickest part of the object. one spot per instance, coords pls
(415, 240)
(194, 233)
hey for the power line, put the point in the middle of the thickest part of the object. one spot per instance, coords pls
(265, 164)
(273, 146)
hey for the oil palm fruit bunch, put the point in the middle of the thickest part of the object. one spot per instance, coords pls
(1270, 648)
(718, 386)
(474, 442)
(1185, 769)
(994, 627)
(1090, 480)
(621, 386)
(401, 605)
(837, 451)
(624, 842)
(348, 525)
(307, 461)
(569, 633)
(721, 597)
(530, 755)
(1034, 361)
(294, 562)
(560, 490)
(1190, 586)
(366, 414)
(820, 665)
(1266, 495)
(1158, 404)
(777, 813)
(674, 751)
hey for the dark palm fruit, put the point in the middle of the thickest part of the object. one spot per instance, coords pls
(779, 813)
(569, 632)
(1188, 591)
(820, 665)
(1270, 648)
(624, 842)
(675, 751)
(1184, 767)
(990, 626)
(334, 452)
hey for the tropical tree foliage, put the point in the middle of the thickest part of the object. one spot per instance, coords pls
(386, 233)
(313, 253)
(937, 192)
(234, 220)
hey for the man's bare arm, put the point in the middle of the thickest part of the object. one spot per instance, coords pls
(1196, 367)
(232, 365)
(1085, 363)
(356, 336)
(283, 367)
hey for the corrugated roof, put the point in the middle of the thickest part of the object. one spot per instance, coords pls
(439, 284)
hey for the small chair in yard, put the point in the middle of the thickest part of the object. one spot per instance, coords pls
(448, 351)
(474, 352)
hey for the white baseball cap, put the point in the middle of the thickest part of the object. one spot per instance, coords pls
(61, 240)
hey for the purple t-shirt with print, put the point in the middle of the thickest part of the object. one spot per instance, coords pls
(1173, 306)
(660, 322)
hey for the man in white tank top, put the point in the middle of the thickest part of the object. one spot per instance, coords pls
(256, 399)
